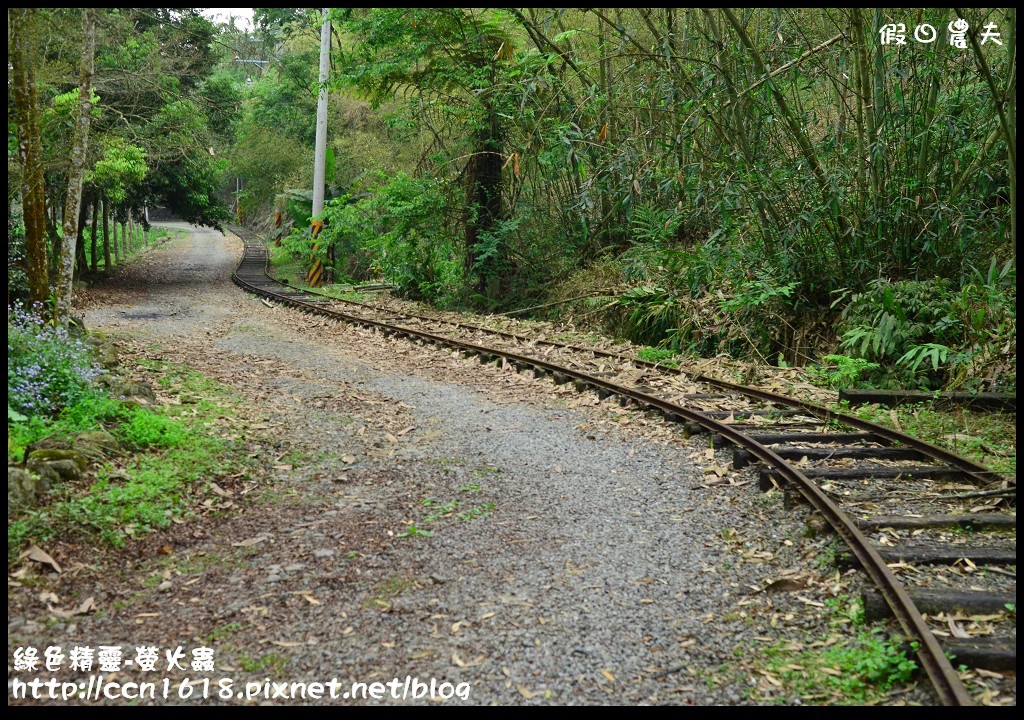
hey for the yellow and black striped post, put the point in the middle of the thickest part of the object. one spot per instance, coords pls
(278, 232)
(315, 275)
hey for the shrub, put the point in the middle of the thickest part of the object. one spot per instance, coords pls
(934, 334)
(47, 369)
(396, 232)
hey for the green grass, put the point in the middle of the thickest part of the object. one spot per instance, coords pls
(476, 512)
(665, 356)
(222, 632)
(183, 381)
(388, 590)
(270, 663)
(438, 510)
(857, 671)
(848, 669)
(441, 510)
(285, 266)
(987, 438)
(343, 291)
(168, 451)
(91, 412)
(413, 531)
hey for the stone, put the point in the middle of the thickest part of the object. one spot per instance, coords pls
(22, 489)
(816, 526)
(96, 444)
(68, 470)
(127, 390)
(46, 476)
(100, 438)
(53, 455)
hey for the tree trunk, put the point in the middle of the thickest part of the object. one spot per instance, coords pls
(53, 239)
(33, 192)
(1011, 114)
(79, 148)
(118, 255)
(106, 236)
(95, 218)
(80, 262)
(484, 175)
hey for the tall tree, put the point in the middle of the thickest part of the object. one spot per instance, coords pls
(79, 150)
(33, 192)
(453, 57)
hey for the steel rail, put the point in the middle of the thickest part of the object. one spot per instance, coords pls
(941, 673)
(977, 472)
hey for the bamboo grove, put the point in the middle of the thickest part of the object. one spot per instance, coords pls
(781, 183)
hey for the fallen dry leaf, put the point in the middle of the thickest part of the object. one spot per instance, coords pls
(786, 585)
(456, 660)
(251, 541)
(37, 554)
(218, 490)
(87, 605)
(957, 629)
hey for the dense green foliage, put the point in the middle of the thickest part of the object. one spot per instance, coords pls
(397, 231)
(157, 114)
(737, 178)
(770, 183)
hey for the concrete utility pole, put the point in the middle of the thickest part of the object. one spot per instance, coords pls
(320, 160)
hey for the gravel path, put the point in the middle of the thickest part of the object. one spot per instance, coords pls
(423, 516)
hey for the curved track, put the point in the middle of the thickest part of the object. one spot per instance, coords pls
(782, 432)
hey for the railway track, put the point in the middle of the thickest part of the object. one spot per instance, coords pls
(935, 532)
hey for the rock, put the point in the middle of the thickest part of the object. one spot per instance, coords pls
(103, 350)
(52, 443)
(106, 356)
(816, 526)
(96, 444)
(68, 470)
(100, 438)
(53, 455)
(25, 485)
(127, 390)
(22, 489)
(46, 476)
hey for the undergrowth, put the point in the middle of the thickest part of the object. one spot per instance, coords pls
(846, 669)
(167, 452)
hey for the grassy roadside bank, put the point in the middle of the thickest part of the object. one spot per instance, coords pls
(101, 459)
